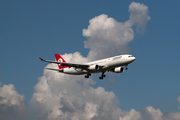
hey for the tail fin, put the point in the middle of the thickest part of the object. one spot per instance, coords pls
(60, 59)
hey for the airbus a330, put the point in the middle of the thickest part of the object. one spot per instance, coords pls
(113, 64)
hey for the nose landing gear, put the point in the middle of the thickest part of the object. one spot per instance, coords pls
(126, 67)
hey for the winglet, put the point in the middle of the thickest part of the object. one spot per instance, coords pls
(41, 59)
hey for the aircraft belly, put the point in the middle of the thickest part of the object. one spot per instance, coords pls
(74, 72)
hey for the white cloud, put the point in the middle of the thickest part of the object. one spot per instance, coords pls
(139, 15)
(132, 115)
(11, 103)
(149, 113)
(108, 37)
(72, 98)
(152, 114)
(90, 110)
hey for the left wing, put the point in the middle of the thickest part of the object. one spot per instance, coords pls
(82, 66)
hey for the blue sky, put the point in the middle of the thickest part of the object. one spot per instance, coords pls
(33, 29)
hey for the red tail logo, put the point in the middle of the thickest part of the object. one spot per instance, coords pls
(60, 59)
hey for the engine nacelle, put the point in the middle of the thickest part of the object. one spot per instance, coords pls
(94, 67)
(118, 70)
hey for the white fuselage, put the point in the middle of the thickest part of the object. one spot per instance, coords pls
(107, 65)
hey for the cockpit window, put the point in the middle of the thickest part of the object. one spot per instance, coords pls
(130, 56)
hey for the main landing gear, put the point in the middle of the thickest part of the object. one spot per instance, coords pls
(126, 67)
(88, 74)
(102, 76)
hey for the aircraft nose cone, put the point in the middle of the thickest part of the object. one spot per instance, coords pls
(133, 58)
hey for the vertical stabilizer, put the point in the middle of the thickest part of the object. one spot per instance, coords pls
(60, 59)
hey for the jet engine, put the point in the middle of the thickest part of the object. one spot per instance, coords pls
(118, 70)
(94, 67)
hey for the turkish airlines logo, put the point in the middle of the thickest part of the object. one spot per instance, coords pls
(60, 60)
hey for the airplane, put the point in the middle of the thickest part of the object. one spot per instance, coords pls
(112, 64)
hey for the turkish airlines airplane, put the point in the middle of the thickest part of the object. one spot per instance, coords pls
(112, 64)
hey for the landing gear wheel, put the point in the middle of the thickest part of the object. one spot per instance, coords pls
(100, 77)
(86, 76)
(126, 67)
(89, 74)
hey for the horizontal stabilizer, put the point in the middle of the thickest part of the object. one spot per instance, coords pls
(55, 69)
